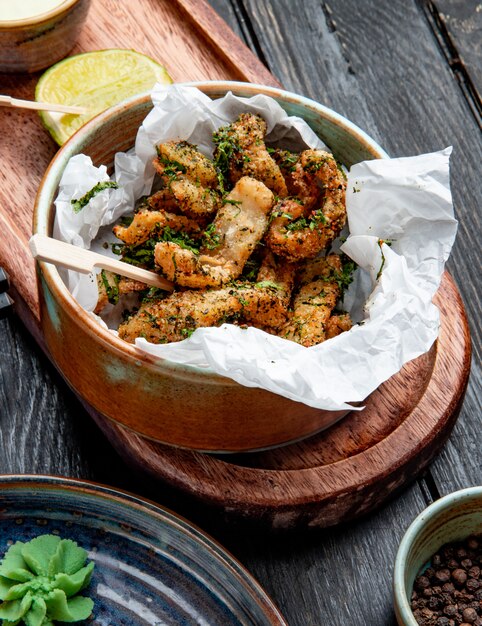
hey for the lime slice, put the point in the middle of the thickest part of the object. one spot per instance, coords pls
(97, 81)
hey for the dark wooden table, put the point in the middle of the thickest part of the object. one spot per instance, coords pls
(409, 72)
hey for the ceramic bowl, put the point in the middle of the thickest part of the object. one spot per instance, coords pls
(451, 518)
(31, 44)
(151, 566)
(171, 403)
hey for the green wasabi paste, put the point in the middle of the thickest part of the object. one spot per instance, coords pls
(39, 581)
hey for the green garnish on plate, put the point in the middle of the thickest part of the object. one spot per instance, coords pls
(39, 581)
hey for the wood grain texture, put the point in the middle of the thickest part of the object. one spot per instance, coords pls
(340, 576)
(460, 31)
(185, 36)
(374, 63)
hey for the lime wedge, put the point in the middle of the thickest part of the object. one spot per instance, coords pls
(97, 81)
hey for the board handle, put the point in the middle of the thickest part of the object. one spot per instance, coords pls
(72, 257)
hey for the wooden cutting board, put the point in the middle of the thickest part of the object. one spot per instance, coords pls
(332, 477)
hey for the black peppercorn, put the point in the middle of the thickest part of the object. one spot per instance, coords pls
(422, 582)
(443, 575)
(469, 615)
(449, 591)
(472, 584)
(459, 576)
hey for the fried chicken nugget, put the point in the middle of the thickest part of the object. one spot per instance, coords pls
(175, 317)
(147, 222)
(182, 195)
(185, 158)
(189, 178)
(312, 307)
(238, 226)
(249, 155)
(275, 281)
(299, 232)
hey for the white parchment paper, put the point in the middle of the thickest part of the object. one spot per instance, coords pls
(405, 202)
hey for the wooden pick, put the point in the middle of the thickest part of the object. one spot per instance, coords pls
(84, 261)
(8, 101)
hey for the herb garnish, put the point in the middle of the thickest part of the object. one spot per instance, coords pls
(268, 284)
(226, 149)
(211, 239)
(172, 168)
(80, 203)
(344, 278)
(315, 219)
(112, 290)
(380, 242)
(142, 255)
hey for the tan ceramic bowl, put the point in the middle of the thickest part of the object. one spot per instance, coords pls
(31, 44)
(174, 404)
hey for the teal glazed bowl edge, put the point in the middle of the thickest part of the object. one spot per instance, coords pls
(175, 404)
(452, 518)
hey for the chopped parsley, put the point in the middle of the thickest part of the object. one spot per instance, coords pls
(268, 284)
(112, 290)
(142, 255)
(211, 239)
(80, 203)
(380, 242)
(226, 149)
(313, 221)
(344, 278)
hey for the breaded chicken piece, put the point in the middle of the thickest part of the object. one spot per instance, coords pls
(249, 154)
(183, 196)
(111, 286)
(146, 223)
(186, 159)
(314, 303)
(330, 178)
(299, 232)
(287, 161)
(337, 324)
(175, 317)
(237, 228)
(276, 278)
(189, 178)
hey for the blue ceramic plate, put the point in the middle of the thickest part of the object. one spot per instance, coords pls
(152, 568)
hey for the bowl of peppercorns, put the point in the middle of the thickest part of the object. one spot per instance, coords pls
(438, 569)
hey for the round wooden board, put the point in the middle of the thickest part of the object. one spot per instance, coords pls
(348, 469)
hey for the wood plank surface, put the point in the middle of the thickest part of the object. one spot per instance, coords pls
(365, 59)
(458, 26)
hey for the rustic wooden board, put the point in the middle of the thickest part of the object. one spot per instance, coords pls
(186, 36)
(343, 472)
(203, 49)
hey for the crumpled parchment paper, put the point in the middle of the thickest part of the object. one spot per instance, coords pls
(405, 202)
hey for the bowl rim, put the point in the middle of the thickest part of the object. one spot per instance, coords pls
(39, 18)
(177, 522)
(413, 531)
(45, 196)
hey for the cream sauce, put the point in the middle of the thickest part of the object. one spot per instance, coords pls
(22, 9)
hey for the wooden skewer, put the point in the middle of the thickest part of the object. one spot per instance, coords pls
(8, 101)
(74, 258)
